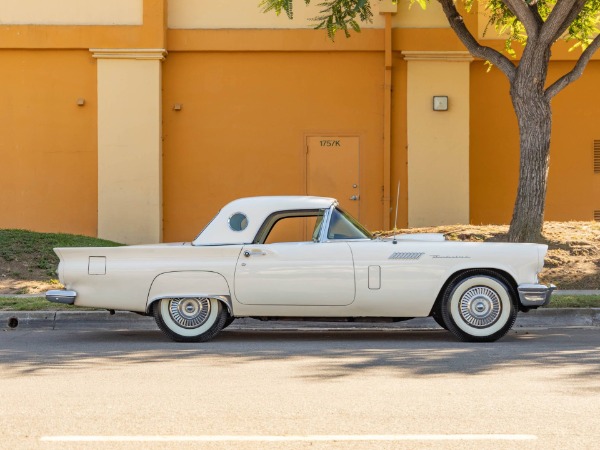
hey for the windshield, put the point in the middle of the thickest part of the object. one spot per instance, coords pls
(343, 226)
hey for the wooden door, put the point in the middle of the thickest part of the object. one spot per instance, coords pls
(332, 170)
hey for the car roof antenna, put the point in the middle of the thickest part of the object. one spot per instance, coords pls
(395, 241)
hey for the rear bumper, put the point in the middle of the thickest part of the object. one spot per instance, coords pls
(535, 294)
(61, 296)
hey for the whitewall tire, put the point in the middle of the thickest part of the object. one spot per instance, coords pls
(479, 306)
(190, 319)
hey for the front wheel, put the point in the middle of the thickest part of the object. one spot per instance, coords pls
(190, 319)
(479, 307)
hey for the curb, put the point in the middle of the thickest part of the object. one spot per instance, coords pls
(10, 320)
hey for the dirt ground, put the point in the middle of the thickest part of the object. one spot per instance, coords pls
(573, 258)
(572, 262)
(21, 276)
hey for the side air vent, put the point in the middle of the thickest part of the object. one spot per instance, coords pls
(405, 255)
(597, 216)
(596, 156)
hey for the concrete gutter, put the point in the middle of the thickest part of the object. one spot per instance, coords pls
(545, 317)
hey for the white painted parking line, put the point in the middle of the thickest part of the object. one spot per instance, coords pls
(297, 438)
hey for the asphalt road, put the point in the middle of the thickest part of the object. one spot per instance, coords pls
(347, 389)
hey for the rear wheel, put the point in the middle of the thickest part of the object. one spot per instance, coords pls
(479, 306)
(190, 319)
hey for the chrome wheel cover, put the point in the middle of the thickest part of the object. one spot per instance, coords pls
(189, 312)
(480, 306)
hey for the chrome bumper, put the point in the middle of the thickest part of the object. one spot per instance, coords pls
(535, 294)
(61, 296)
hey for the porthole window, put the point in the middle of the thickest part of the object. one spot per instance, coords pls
(238, 222)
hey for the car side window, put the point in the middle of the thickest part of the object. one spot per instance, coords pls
(344, 226)
(293, 229)
(290, 226)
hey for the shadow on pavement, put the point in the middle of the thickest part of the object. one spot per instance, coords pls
(336, 353)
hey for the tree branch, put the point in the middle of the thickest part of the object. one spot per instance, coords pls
(536, 15)
(525, 14)
(577, 71)
(563, 13)
(489, 54)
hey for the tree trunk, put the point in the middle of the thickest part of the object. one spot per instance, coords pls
(535, 125)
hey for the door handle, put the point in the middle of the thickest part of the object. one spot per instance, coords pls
(254, 252)
(355, 197)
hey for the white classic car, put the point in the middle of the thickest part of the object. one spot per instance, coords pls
(294, 257)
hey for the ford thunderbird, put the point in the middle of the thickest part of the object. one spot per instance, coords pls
(305, 258)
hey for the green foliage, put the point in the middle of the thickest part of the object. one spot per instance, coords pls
(335, 15)
(279, 5)
(345, 15)
(582, 30)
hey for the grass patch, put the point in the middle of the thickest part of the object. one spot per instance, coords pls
(36, 304)
(575, 301)
(18, 245)
(29, 252)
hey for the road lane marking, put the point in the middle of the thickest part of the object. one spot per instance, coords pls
(296, 438)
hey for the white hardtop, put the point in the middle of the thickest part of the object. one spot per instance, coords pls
(256, 209)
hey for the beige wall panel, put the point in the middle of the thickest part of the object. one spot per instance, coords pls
(211, 14)
(495, 147)
(48, 147)
(243, 123)
(438, 142)
(71, 12)
(129, 150)
(399, 154)
(416, 17)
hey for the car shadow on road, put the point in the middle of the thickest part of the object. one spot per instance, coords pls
(336, 353)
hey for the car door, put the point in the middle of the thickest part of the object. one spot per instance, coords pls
(295, 274)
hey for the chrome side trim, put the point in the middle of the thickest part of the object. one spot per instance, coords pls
(61, 296)
(535, 294)
(227, 300)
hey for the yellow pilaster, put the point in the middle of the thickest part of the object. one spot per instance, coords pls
(129, 145)
(438, 141)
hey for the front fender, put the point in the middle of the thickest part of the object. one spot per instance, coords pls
(189, 284)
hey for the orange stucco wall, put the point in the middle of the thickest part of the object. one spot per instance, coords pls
(250, 97)
(494, 148)
(399, 156)
(574, 128)
(48, 157)
(243, 124)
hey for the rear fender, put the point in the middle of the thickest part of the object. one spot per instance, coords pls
(190, 284)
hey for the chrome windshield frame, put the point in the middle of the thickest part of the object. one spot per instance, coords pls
(327, 221)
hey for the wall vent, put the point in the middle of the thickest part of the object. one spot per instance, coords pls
(597, 216)
(596, 156)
